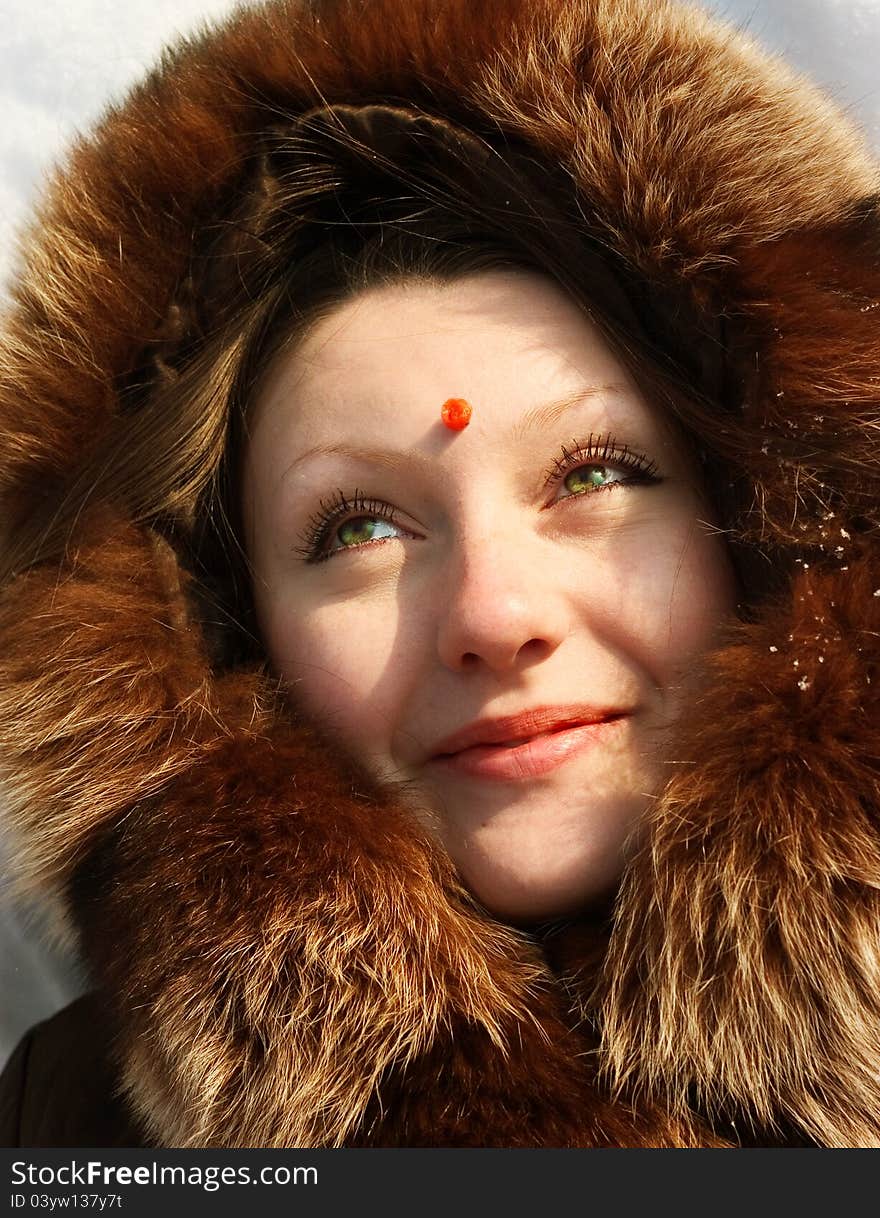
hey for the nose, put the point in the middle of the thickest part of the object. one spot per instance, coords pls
(500, 606)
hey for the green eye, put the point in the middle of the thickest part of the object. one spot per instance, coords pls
(353, 532)
(588, 469)
(586, 478)
(361, 529)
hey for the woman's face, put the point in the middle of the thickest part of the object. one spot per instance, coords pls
(410, 580)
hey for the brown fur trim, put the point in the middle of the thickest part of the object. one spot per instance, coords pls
(744, 963)
(315, 976)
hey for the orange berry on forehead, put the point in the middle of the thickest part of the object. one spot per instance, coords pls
(455, 413)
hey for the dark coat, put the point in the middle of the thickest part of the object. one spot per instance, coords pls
(59, 1088)
(188, 828)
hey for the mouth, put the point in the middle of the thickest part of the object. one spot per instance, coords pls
(523, 759)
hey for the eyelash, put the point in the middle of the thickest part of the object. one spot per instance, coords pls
(337, 510)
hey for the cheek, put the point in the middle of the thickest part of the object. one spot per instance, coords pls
(696, 591)
(676, 587)
(334, 660)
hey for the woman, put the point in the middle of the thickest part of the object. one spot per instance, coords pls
(258, 688)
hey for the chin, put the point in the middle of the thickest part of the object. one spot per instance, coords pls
(524, 900)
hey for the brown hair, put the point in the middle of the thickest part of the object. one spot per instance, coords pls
(337, 201)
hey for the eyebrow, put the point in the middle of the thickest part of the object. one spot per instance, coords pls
(535, 419)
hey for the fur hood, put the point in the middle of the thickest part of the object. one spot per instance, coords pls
(287, 960)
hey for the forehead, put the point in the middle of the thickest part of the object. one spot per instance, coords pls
(519, 313)
(378, 367)
(403, 331)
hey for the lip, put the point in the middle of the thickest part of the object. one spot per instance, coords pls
(549, 736)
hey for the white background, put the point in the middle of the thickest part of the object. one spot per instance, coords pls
(61, 61)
